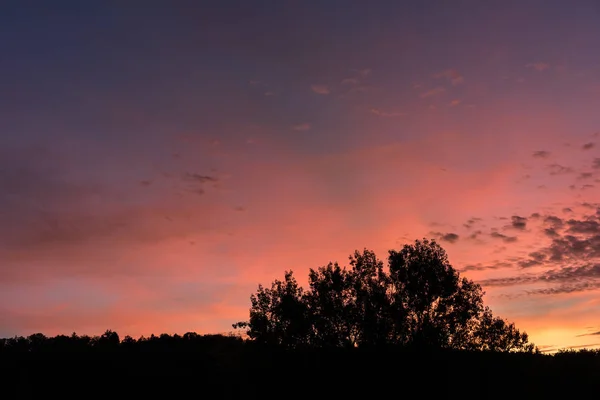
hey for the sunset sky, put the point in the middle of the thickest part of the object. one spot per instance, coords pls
(160, 159)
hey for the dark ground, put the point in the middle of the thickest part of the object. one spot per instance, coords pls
(216, 367)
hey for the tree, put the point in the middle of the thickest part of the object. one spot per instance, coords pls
(496, 334)
(419, 300)
(440, 307)
(279, 315)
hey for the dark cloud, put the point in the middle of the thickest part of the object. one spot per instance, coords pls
(554, 221)
(196, 182)
(475, 234)
(199, 178)
(472, 221)
(447, 237)
(541, 154)
(590, 226)
(565, 288)
(575, 276)
(597, 333)
(535, 215)
(596, 163)
(519, 222)
(557, 169)
(481, 267)
(535, 258)
(550, 232)
(505, 238)
(573, 248)
(586, 175)
(450, 237)
(588, 146)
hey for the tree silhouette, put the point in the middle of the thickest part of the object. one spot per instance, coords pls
(420, 301)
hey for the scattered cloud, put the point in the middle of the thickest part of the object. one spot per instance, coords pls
(454, 103)
(571, 257)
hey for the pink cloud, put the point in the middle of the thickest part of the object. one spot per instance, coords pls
(302, 127)
(433, 92)
(320, 89)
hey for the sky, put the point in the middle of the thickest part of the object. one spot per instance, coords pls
(160, 159)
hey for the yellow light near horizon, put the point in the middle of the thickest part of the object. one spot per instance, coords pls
(563, 338)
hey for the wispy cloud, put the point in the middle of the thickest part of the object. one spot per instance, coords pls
(557, 169)
(381, 113)
(350, 81)
(541, 154)
(363, 72)
(320, 89)
(433, 92)
(302, 127)
(538, 66)
(452, 75)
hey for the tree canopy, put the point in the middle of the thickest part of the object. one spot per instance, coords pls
(418, 300)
